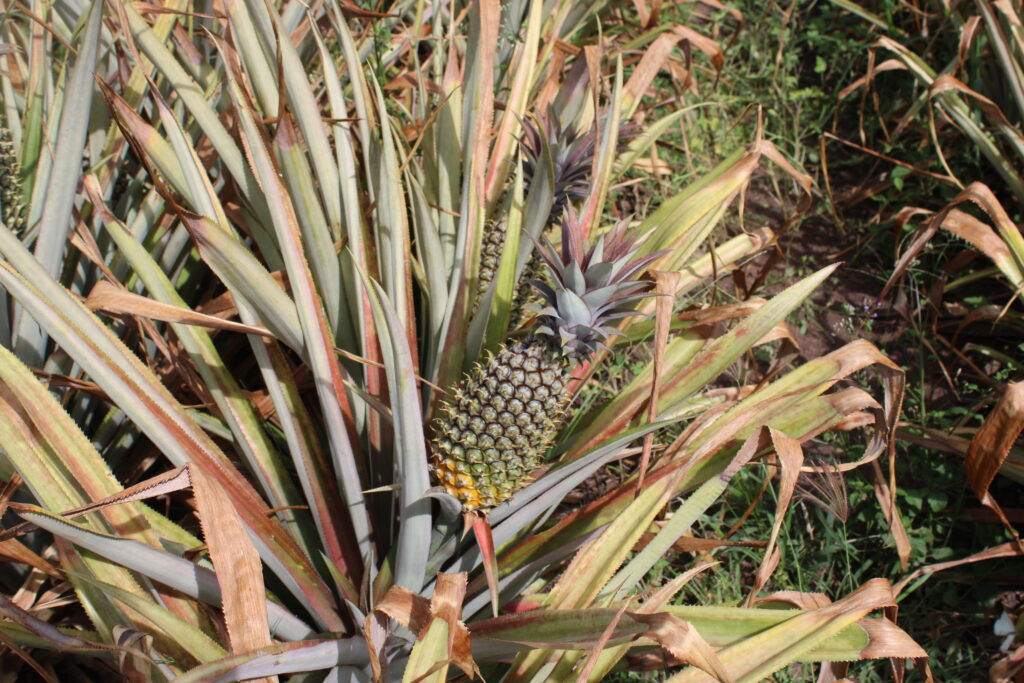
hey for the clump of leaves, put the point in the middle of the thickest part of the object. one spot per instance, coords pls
(270, 312)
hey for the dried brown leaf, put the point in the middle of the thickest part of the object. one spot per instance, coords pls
(806, 183)
(1009, 668)
(643, 12)
(977, 193)
(886, 639)
(405, 607)
(886, 495)
(446, 604)
(991, 445)
(707, 316)
(855, 356)
(599, 646)
(688, 544)
(707, 45)
(12, 550)
(650, 63)
(796, 599)
(665, 287)
(982, 237)
(834, 672)
(114, 300)
(791, 457)
(162, 484)
(238, 566)
(949, 83)
(888, 65)
(682, 641)
(661, 597)
(375, 632)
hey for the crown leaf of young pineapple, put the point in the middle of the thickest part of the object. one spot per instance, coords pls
(502, 417)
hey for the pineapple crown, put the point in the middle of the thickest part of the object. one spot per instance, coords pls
(591, 287)
(572, 156)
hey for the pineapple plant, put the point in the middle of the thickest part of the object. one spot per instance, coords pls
(505, 413)
(259, 319)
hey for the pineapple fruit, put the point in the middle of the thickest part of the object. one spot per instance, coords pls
(10, 184)
(572, 156)
(490, 256)
(501, 419)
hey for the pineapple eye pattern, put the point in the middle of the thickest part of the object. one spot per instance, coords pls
(528, 378)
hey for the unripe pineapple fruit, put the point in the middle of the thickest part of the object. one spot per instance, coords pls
(10, 184)
(492, 433)
(490, 256)
(572, 156)
(501, 419)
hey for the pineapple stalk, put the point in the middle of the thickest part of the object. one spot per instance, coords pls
(526, 298)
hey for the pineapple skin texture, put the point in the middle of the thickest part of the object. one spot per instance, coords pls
(500, 421)
(490, 256)
(10, 184)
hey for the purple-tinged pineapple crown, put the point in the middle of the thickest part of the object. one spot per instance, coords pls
(572, 156)
(591, 287)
